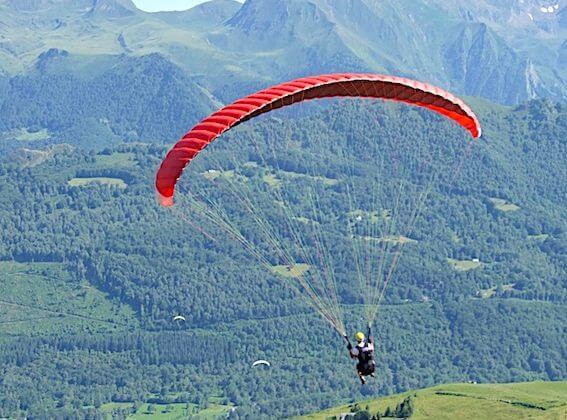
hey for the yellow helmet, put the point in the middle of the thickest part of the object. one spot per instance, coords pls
(359, 336)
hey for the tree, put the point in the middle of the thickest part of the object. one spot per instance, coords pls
(405, 408)
(362, 415)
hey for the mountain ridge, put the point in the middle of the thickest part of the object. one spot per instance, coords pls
(464, 49)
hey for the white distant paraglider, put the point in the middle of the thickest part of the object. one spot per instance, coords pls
(178, 318)
(261, 362)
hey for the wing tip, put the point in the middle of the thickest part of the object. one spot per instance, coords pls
(163, 200)
(476, 131)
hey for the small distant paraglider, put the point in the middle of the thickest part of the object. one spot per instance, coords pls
(178, 318)
(261, 362)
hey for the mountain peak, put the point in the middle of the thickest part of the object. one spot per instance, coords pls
(203, 16)
(217, 3)
(113, 8)
(274, 15)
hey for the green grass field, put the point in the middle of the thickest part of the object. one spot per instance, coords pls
(116, 160)
(400, 239)
(295, 271)
(274, 178)
(213, 174)
(503, 205)
(371, 216)
(488, 293)
(304, 220)
(172, 411)
(271, 180)
(533, 400)
(24, 135)
(326, 181)
(42, 298)
(540, 238)
(81, 182)
(463, 265)
(30, 157)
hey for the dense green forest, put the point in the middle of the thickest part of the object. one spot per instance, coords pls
(127, 99)
(93, 271)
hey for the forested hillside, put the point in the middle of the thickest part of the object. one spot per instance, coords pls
(93, 271)
(125, 99)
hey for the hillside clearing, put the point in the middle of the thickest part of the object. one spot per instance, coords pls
(400, 239)
(541, 237)
(296, 270)
(271, 180)
(170, 411)
(503, 205)
(464, 265)
(42, 298)
(115, 160)
(488, 293)
(371, 216)
(26, 135)
(213, 174)
(329, 182)
(539, 400)
(81, 182)
(30, 157)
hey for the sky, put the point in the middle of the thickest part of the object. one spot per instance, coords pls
(160, 5)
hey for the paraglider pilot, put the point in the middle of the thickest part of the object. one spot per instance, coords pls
(364, 353)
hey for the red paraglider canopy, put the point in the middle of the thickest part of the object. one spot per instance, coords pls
(325, 86)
